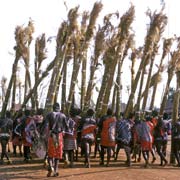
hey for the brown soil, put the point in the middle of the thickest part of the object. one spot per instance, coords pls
(117, 170)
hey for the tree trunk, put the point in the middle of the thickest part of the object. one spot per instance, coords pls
(129, 107)
(62, 40)
(13, 95)
(36, 78)
(83, 81)
(52, 86)
(109, 86)
(55, 77)
(44, 74)
(8, 92)
(175, 112)
(102, 91)
(133, 59)
(90, 87)
(27, 80)
(146, 92)
(118, 97)
(63, 97)
(20, 92)
(138, 103)
(114, 97)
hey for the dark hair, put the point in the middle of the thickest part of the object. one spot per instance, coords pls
(154, 113)
(165, 116)
(56, 107)
(72, 112)
(27, 112)
(109, 112)
(8, 114)
(90, 112)
(40, 111)
(131, 115)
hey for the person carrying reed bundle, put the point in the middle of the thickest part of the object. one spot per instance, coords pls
(88, 132)
(69, 140)
(55, 121)
(107, 128)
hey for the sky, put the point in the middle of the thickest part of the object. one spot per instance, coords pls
(48, 15)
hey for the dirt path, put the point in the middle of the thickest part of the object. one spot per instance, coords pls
(117, 171)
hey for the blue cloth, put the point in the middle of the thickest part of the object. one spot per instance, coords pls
(143, 131)
(123, 131)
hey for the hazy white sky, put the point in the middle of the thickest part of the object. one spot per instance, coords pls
(48, 15)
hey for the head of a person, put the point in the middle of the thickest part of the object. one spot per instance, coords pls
(109, 112)
(131, 115)
(147, 116)
(165, 116)
(56, 107)
(155, 113)
(137, 115)
(8, 114)
(121, 115)
(159, 121)
(90, 112)
(27, 112)
(73, 112)
(40, 111)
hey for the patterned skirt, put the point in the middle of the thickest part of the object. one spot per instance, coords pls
(55, 150)
(70, 143)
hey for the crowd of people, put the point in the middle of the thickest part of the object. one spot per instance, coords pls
(56, 137)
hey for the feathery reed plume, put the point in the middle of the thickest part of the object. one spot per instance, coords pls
(85, 17)
(93, 17)
(72, 17)
(40, 50)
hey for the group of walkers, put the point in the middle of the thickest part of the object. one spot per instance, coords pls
(61, 136)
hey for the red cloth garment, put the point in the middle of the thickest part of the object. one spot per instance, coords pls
(146, 146)
(53, 150)
(144, 135)
(154, 121)
(108, 132)
(88, 130)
